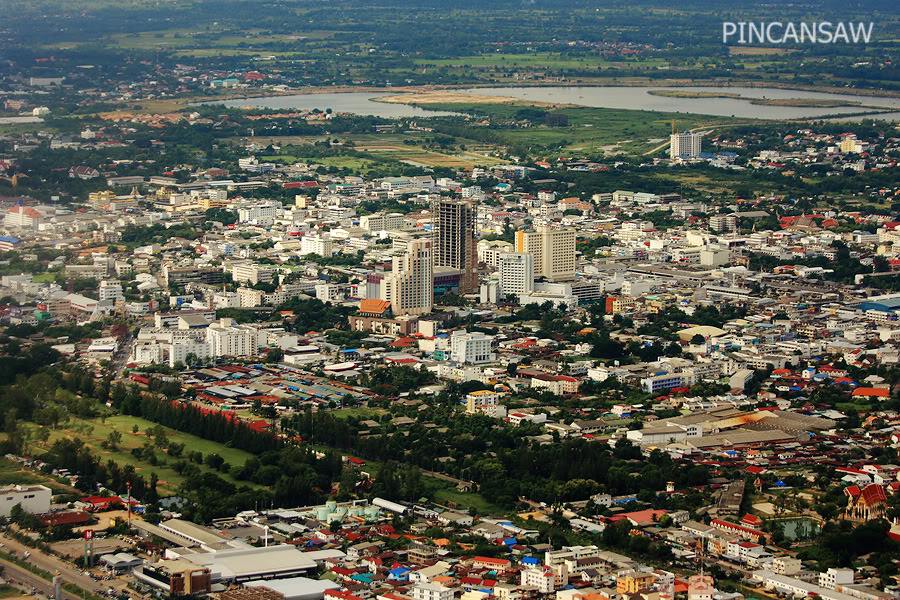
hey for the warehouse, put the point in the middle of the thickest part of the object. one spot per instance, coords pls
(297, 588)
(247, 564)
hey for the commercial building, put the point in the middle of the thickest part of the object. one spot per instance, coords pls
(110, 290)
(382, 221)
(410, 286)
(552, 250)
(316, 244)
(296, 588)
(34, 499)
(684, 145)
(516, 274)
(471, 348)
(226, 338)
(453, 232)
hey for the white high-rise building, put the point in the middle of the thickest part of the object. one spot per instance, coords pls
(410, 286)
(516, 273)
(471, 348)
(316, 244)
(684, 145)
(552, 249)
(260, 213)
(226, 338)
(110, 290)
(252, 273)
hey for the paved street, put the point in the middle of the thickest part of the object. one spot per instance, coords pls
(52, 564)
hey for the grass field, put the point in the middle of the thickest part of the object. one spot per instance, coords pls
(592, 130)
(466, 500)
(400, 147)
(541, 60)
(353, 163)
(358, 412)
(418, 156)
(94, 432)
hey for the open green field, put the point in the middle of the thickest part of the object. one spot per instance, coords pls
(589, 130)
(541, 60)
(358, 412)
(353, 163)
(418, 156)
(383, 150)
(466, 500)
(93, 432)
(187, 39)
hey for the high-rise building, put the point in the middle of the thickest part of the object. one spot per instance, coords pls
(516, 273)
(110, 290)
(723, 223)
(553, 251)
(316, 244)
(410, 286)
(684, 145)
(453, 231)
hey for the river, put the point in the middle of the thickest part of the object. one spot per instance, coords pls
(632, 98)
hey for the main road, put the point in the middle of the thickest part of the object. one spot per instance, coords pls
(70, 573)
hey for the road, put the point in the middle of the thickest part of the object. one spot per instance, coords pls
(52, 564)
(16, 575)
(117, 366)
(705, 128)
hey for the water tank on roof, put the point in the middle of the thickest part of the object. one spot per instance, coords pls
(322, 513)
(331, 505)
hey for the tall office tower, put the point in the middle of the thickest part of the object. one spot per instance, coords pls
(553, 251)
(453, 232)
(684, 145)
(516, 273)
(410, 286)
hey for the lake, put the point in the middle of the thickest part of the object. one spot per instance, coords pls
(800, 528)
(633, 98)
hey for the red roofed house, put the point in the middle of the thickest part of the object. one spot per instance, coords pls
(748, 533)
(865, 504)
(488, 562)
(871, 392)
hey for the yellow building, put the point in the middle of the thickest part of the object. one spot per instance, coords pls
(553, 251)
(633, 582)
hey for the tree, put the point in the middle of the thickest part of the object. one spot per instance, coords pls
(113, 440)
(214, 461)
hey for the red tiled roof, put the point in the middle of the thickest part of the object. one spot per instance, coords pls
(376, 307)
(874, 494)
(871, 392)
